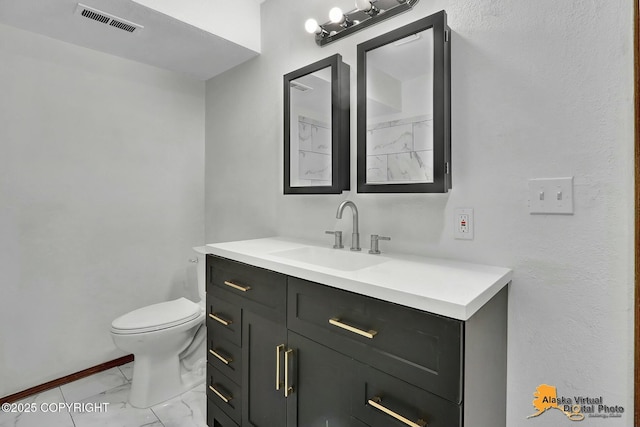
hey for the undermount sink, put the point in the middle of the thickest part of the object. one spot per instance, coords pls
(331, 258)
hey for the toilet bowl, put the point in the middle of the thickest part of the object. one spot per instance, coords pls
(168, 344)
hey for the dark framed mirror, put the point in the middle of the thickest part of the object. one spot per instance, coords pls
(316, 128)
(404, 113)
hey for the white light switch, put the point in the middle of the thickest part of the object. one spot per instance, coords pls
(551, 196)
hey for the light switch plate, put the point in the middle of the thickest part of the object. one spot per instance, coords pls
(551, 196)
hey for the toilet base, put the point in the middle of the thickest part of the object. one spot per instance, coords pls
(155, 381)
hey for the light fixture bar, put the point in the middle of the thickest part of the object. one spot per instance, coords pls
(359, 19)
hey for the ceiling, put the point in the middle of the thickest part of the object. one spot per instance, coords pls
(164, 41)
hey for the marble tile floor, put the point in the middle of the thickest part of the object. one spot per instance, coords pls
(102, 400)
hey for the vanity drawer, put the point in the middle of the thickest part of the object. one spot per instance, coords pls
(217, 418)
(224, 393)
(354, 422)
(421, 348)
(224, 320)
(225, 356)
(250, 286)
(381, 400)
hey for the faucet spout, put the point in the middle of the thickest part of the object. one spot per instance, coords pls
(355, 235)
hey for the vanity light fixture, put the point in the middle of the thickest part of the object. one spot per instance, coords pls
(336, 16)
(367, 7)
(367, 12)
(312, 27)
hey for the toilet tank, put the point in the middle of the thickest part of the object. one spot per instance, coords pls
(201, 265)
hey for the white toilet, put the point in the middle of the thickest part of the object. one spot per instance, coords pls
(168, 344)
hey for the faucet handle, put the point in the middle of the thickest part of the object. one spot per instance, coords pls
(374, 243)
(337, 244)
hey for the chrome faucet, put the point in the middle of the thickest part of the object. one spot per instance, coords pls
(355, 236)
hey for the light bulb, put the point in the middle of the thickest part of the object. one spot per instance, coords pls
(336, 15)
(363, 5)
(311, 25)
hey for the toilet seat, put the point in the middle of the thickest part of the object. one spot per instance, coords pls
(156, 317)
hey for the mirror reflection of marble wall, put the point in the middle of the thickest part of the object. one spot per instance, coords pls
(310, 127)
(400, 111)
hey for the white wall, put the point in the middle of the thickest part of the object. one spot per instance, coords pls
(237, 21)
(101, 200)
(540, 89)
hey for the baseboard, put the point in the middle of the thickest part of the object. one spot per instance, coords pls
(65, 380)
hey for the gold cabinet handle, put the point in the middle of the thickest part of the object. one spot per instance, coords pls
(224, 360)
(220, 319)
(236, 286)
(375, 402)
(287, 388)
(220, 395)
(278, 350)
(368, 334)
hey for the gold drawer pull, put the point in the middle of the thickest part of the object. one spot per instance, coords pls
(287, 389)
(220, 395)
(238, 287)
(375, 402)
(222, 358)
(336, 322)
(220, 319)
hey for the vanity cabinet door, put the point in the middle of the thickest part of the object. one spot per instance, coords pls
(320, 378)
(264, 405)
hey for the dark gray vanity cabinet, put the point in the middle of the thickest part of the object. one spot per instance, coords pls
(286, 352)
(245, 324)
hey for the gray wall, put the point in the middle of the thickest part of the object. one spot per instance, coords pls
(101, 200)
(540, 89)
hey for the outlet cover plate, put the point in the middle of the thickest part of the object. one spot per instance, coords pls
(551, 196)
(463, 224)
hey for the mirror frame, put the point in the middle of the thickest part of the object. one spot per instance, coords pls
(340, 137)
(441, 107)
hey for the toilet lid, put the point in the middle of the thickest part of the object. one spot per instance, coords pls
(157, 316)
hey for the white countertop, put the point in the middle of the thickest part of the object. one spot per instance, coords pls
(449, 288)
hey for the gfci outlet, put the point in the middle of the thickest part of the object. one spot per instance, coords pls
(463, 224)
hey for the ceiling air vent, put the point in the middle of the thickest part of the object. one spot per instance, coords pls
(107, 18)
